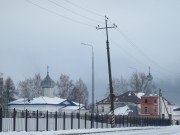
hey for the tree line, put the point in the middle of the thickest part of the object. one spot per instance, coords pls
(137, 82)
(67, 88)
(31, 87)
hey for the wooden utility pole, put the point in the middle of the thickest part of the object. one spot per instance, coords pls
(109, 69)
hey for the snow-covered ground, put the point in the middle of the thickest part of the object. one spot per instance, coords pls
(168, 130)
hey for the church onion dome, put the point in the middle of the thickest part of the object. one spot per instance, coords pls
(47, 82)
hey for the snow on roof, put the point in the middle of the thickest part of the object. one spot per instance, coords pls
(74, 108)
(139, 94)
(77, 103)
(39, 100)
(47, 100)
(122, 110)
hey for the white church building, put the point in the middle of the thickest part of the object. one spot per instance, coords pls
(47, 102)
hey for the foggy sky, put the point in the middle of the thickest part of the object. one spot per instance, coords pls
(36, 33)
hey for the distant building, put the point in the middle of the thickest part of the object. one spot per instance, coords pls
(149, 105)
(47, 102)
(129, 100)
(155, 106)
(176, 113)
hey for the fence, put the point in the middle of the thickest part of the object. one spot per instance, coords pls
(13, 120)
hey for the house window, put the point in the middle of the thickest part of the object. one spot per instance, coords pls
(146, 110)
(102, 108)
(155, 101)
(155, 110)
(146, 101)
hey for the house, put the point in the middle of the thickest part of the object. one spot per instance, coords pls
(129, 99)
(176, 113)
(153, 105)
(149, 105)
(47, 102)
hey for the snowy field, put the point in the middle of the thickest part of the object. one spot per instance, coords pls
(169, 130)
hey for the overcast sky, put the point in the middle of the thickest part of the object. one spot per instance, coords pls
(37, 33)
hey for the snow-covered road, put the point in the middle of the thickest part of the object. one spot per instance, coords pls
(169, 130)
(174, 130)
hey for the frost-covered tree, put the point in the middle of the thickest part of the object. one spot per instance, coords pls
(76, 92)
(140, 83)
(64, 86)
(30, 87)
(10, 89)
(80, 92)
(120, 85)
(7, 91)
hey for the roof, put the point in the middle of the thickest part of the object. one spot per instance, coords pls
(177, 109)
(43, 101)
(47, 82)
(129, 96)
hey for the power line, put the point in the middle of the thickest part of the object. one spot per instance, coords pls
(142, 53)
(82, 8)
(74, 12)
(55, 13)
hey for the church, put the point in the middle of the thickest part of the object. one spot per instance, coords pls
(47, 102)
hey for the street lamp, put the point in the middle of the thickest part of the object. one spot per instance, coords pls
(92, 75)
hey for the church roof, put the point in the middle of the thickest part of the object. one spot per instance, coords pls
(47, 82)
(43, 101)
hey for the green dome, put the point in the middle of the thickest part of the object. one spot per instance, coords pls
(47, 82)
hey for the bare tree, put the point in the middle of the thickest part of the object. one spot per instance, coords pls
(120, 85)
(140, 83)
(65, 86)
(79, 93)
(31, 87)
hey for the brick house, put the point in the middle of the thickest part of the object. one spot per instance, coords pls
(152, 105)
(149, 105)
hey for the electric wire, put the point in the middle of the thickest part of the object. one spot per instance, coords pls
(82, 8)
(119, 30)
(142, 53)
(55, 13)
(55, 3)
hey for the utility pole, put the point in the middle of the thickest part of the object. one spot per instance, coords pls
(109, 69)
(160, 108)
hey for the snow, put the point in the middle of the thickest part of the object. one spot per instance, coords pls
(40, 100)
(47, 100)
(122, 110)
(169, 130)
(140, 94)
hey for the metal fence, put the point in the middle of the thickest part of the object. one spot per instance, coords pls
(14, 120)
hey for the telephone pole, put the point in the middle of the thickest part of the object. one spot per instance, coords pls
(109, 69)
(160, 104)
